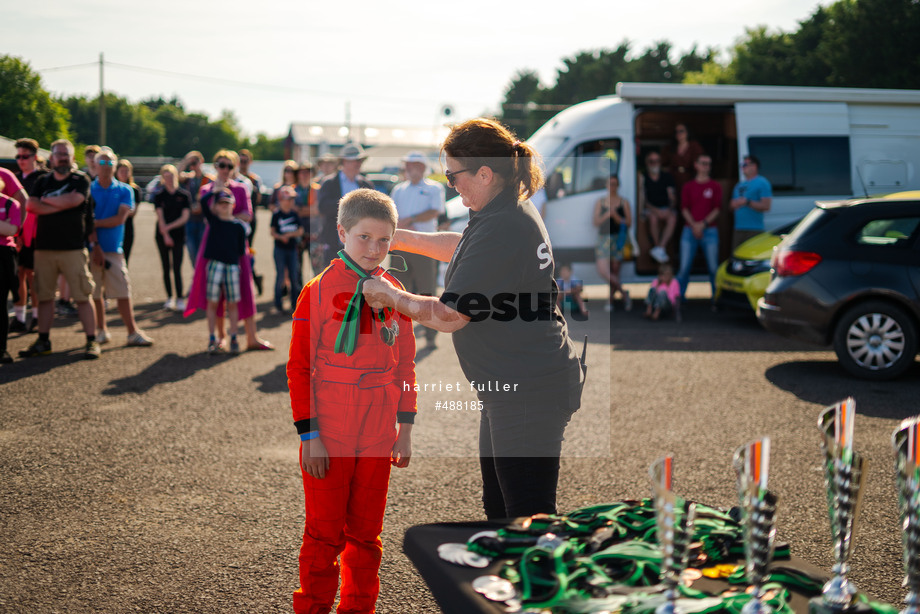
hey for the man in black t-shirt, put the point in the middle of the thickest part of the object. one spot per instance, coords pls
(64, 225)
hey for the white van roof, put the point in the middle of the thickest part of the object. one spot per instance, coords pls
(678, 93)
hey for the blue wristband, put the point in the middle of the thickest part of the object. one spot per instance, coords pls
(309, 436)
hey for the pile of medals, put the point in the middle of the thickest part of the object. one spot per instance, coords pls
(601, 558)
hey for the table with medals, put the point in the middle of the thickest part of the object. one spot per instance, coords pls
(667, 555)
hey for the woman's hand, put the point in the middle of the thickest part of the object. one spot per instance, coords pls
(313, 458)
(378, 292)
(402, 449)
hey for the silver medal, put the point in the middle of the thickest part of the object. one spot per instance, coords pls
(459, 555)
(494, 588)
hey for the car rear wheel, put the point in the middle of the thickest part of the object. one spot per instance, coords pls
(875, 340)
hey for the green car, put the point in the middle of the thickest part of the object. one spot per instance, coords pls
(742, 279)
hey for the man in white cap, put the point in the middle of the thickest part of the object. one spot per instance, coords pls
(419, 201)
(332, 189)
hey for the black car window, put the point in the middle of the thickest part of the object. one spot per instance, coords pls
(894, 231)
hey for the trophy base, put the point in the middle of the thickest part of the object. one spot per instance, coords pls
(816, 605)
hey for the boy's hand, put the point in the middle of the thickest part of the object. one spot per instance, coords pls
(314, 459)
(377, 293)
(402, 449)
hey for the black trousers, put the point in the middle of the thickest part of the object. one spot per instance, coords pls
(8, 283)
(171, 261)
(520, 441)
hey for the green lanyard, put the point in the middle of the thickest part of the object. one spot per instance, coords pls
(347, 338)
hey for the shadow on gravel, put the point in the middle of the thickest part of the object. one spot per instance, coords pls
(273, 381)
(169, 368)
(825, 383)
(702, 330)
(27, 367)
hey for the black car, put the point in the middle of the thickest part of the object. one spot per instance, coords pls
(849, 276)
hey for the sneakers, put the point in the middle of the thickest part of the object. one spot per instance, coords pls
(103, 336)
(234, 347)
(659, 254)
(170, 304)
(5, 358)
(139, 339)
(92, 351)
(214, 347)
(66, 308)
(627, 302)
(180, 305)
(39, 347)
(16, 326)
(608, 307)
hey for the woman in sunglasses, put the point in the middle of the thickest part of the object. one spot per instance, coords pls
(500, 304)
(225, 163)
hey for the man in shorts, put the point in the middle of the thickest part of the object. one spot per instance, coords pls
(64, 225)
(113, 202)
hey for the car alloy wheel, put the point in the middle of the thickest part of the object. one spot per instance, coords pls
(875, 340)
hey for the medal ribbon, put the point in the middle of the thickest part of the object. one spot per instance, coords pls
(347, 339)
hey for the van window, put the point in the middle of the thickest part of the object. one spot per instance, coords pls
(804, 165)
(887, 232)
(585, 169)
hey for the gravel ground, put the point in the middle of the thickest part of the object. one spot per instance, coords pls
(165, 480)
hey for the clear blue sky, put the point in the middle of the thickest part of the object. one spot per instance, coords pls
(393, 63)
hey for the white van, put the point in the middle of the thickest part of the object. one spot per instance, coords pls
(813, 144)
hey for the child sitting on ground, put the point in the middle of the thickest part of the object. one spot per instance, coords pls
(570, 291)
(226, 244)
(664, 295)
(351, 373)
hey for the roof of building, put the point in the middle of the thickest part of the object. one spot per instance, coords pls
(8, 149)
(368, 136)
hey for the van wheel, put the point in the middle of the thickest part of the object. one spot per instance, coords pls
(875, 340)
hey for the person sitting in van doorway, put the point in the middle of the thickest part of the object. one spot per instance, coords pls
(751, 198)
(658, 203)
(699, 205)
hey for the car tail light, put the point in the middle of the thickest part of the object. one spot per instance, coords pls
(789, 263)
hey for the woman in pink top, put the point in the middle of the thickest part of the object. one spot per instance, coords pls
(12, 206)
(225, 162)
(664, 295)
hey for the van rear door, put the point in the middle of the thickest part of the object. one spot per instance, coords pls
(804, 151)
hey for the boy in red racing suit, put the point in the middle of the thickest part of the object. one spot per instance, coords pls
(351, 375)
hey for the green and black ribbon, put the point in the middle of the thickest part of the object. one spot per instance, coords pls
(347, 339)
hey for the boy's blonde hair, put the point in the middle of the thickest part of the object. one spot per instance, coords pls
(364, 203)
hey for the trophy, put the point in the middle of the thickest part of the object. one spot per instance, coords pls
(758, 505)
(907, 475)
(844, 474)
(674, 520)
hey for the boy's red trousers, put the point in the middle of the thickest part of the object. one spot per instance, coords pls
(344, 510)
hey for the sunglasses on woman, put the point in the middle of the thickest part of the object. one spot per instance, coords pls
(226, 166)
(450, 176)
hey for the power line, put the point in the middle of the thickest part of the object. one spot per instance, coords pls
(264, 86)
(67, 67)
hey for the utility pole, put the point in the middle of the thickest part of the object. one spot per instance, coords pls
(101, 100)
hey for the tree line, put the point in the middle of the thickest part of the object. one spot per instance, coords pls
(151, 127)
(850, 43)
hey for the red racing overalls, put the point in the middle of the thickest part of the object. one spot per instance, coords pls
(354, 402)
